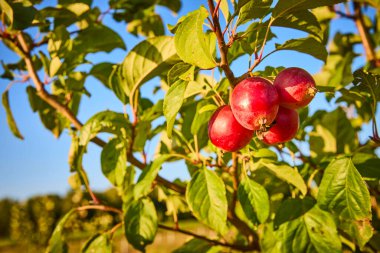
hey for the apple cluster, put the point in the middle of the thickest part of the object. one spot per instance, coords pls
(262, 107)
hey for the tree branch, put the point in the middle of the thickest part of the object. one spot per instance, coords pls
(222, 46)
(365, 37)
(44, 95)
(211, 241)
(100, 207)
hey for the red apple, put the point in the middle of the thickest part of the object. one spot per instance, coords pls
(225, 132)
(284, 128)
(295, 87)
(254, 103)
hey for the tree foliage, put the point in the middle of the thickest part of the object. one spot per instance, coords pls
(316, 193)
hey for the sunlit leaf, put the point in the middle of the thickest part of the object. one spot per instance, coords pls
(206, 196)
(191, 43)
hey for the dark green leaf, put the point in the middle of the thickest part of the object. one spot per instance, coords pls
(291, 209)
(88, 40)
(343, 192)
(10, 119)
(107, 121)
(367, 164)
(50, 118)
(196, 245)
(99, 243)
(144, 184)
(333, 134)
(254, 9)
(284, 7)
(314, 231)
(174, 5)
(206, 196)
(114, 161)
(368, 82)
(191, 43)
(110, 75)
(284, 172)
(202, 116)
(56, 242)
(301, 20)
(173, 102)
(148, 59)
(254, 200)
(140, 223)
(23, 15)
(307, 46)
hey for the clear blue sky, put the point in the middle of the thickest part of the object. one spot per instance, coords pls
(38, 165)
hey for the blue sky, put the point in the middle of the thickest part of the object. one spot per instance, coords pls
(38, 165)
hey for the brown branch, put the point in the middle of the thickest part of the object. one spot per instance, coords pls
(211, 241)
(364, 35)
(100, 207)
(222, 46)
(44, 95)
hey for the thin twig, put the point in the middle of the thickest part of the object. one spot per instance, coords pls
(100, 207)
(211, 241)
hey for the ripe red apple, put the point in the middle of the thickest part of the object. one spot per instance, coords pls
(254, 103)
(295, 87)
(284, 128)
(225, 132)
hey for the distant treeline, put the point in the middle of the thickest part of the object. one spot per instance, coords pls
(33, 221)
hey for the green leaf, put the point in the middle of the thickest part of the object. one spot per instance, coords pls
(368, 82)
(10, 119)
(173, 102)
(181, 70)
(333, 134)
(254, 200)
(285, 7)
(107, 121)
(110, 75)
(23, 15)
(202, 116)
(225, 9)
(50, 118)
(367, 164)
(88, 40)
(291, 209)
(314, 231)
(99, 243)
(149, 25)
(148, 59)
(113, 161)
(140, 223)
(308, 46)
(144, 184)
(301, 20)
(56, 242)
(174, 5)
(343, 192)
(7, 9)
(191, 43)
(254, 9)
(206, 196)
(196, 245)
(284, 172)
